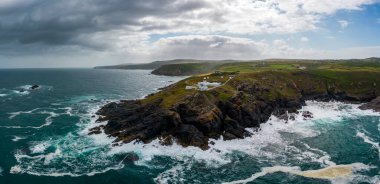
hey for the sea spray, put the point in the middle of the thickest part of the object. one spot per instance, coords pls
(332, 173)
(369, 140)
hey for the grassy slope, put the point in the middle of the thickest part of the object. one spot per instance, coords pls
(281, 78)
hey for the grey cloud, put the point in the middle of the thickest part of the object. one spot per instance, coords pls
(62, 21)
(208, 47)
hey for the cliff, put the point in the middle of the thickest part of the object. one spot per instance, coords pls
(190, 114)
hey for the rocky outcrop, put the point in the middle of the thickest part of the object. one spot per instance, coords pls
(374, 105)
(196, 118)
(35, 86)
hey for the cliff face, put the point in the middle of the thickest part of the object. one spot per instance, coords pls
(191, 117)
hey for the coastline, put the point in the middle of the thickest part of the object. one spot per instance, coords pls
(194, 117)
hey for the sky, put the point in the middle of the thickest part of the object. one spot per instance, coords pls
(87, 33)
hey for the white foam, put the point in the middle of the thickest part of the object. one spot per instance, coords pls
(39, 148)
(14, 114)
(51, 156)
(3, 95)
(173, 174)
(335, 173)
(69, 110)
(368, 140)
(336, 111)
(48, 119)
(15, 169)
(77, 154)
(17, 138)
(268, 170)
(21, 92)
(1, 171)
(267, 144)
(48, 122)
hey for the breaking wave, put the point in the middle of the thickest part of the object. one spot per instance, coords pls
(336, 173)
(369, 140)
(23, 90)
(276, 143)
(48, 120)
(17, 138)
(75, 154)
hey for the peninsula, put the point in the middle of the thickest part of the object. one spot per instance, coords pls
(222, 99)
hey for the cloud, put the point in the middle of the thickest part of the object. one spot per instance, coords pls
(343, 23)
(207, 47)
(224, 47)
(60, 22)
(304, 39)
(124, 29)
(218, 47)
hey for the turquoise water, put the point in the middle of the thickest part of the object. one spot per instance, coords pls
(44, 138)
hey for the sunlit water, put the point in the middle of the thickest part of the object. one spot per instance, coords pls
(44, 138)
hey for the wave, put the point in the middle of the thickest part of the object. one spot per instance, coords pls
(268, 145)
(28, 87)
(168, 175)
(23, 90)
(369, 140)
(76, 154)
(1, 171)
(79, 154)
(48, 120)
(336, 173)
(260, 144)
(15, 114)
(39, 148)
(17, 138)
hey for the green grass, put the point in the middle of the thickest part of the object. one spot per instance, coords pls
(282, 79)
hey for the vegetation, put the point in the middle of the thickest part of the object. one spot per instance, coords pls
(281, 78)
(246, 95)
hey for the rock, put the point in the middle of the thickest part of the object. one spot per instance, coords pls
(374, 105)
(233, 129)
(307, 115)
(189, 135)
(34, 87)
(166, 141)
(194, 118)
(22, 90)
(287, 116)
(95, 130)
(228, 136)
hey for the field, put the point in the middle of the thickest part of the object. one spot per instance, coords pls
(282, 78)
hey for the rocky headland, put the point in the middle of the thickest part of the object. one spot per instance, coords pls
(184, 114)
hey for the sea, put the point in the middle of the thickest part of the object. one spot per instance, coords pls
(44, 138)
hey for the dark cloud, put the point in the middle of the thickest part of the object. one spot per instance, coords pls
(60, 22)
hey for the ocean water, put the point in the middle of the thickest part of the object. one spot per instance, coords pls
(43, 138)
